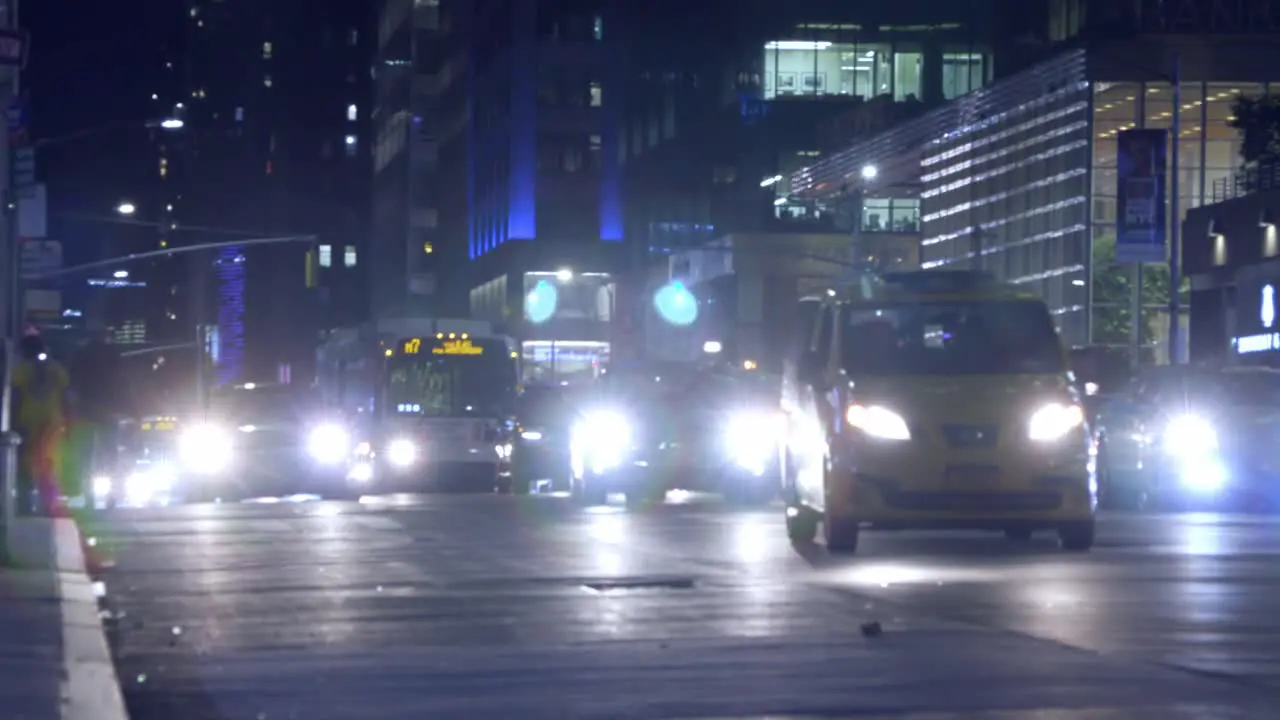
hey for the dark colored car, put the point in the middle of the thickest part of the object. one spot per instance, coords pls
(540, 439)
(1188, 436)
(257, 441)
(672, 427)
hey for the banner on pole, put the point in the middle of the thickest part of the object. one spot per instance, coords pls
(1142, 165)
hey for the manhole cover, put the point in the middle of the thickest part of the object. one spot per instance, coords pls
(633, 584)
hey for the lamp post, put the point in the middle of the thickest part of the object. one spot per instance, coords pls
(868, 174)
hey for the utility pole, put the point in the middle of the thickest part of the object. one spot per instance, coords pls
(1175, 220)
(9, 91)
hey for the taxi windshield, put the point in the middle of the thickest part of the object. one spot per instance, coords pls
(992, 337)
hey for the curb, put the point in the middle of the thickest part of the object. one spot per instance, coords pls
(90, 688)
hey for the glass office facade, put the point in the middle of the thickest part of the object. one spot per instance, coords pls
(851, 62)
(1007, 191)
(1019, 178)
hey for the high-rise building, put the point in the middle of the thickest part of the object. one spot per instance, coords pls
(725, 100)
(497, 160)
(535, 149)
(1022, 178)
(275, 97)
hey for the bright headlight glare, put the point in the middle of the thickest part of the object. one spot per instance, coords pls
(1054, 421)
(402, 452)
(329, 443)
(878, 422)
(606, 428)
(601, 439)
(205, 448)
(1190, 436)
(753, 434)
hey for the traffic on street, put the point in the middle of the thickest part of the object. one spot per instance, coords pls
(451, 606)
(925, 511)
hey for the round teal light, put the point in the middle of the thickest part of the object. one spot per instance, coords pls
(540, 304)
(675, 304)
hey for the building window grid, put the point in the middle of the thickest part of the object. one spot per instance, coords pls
(1052, 260)
(1023, 218)
(1209, 150)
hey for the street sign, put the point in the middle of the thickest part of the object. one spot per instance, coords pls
(43, 304)
(23, 167)
(40, 258)
(33, 212)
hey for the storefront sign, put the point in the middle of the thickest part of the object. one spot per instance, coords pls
(1261, 342)
(1140, 194)
(1223, 17)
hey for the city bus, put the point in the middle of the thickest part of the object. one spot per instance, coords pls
(441, 414)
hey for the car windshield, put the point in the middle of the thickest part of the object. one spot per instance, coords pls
(1233, 388)
(265, 405)
(951, 338)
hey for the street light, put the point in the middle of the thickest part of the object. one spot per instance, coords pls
(126, 208)
(172, 124)
(869, 172)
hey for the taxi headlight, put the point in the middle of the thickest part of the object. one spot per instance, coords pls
(402, 453)
(205, 449)
(1054, 421)
(878, 422)
(329, 444)
(1190, 436)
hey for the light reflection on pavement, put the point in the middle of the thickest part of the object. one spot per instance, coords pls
(486, 606)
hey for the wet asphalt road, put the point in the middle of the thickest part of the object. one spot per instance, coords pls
(501, 607)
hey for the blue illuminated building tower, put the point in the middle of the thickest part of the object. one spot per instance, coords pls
(497, 166)
(231, 286)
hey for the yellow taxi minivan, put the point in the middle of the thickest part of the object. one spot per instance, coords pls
(933, 400)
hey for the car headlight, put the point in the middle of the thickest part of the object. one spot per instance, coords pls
(602, 438)
(329, 444)
(1054, 421)
(1190, 436)
(147, 482)
(752, 436)
(878, 422)
(402, 453)
(205, 449)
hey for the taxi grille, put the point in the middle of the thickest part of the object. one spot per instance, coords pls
(974, 437)
(975, 501)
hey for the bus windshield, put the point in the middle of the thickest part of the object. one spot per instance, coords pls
(992, 337)
(445, 385)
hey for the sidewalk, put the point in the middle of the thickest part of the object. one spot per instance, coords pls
(54, 661)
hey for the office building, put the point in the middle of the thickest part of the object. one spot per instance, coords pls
(1231, 257)
(495, 161)
(718, 120)
(275, 96)
(1020, 178)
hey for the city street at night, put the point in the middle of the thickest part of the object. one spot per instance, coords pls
(494, 606)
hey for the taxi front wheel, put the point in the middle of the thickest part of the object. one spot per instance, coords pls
(841, 534)
(1077, 537)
